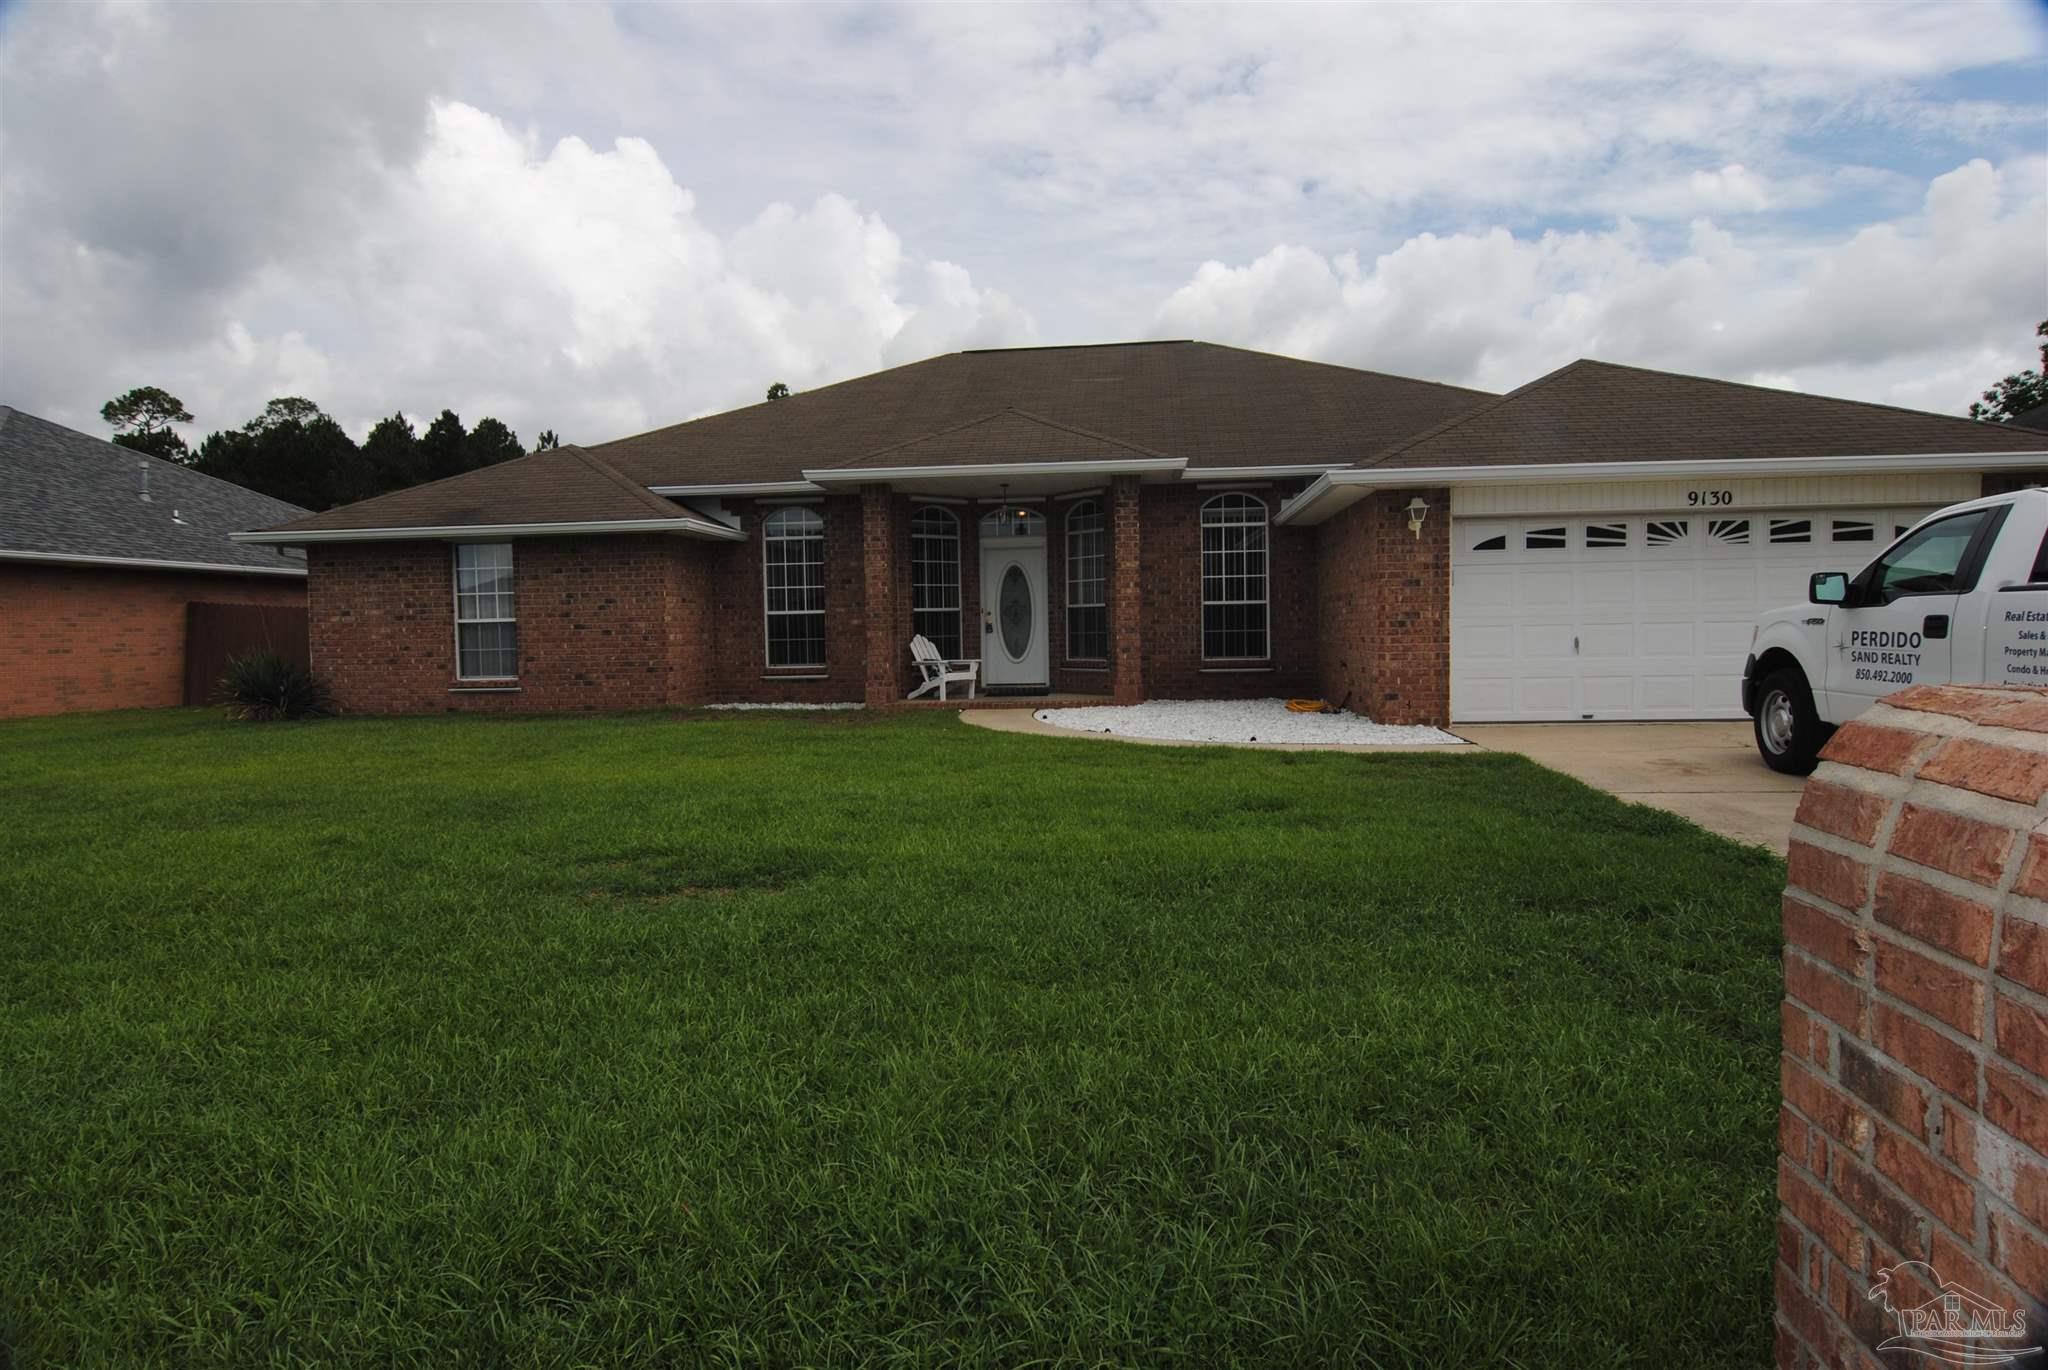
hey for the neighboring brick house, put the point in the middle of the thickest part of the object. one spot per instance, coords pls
(102, 550)
(1166, 520)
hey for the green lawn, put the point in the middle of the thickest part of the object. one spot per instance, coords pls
(848, 1040)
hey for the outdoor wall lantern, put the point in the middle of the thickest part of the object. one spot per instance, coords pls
(1418, 509)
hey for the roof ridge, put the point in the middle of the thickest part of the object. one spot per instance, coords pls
(990, 417)
(1078, 431)
(1397, 448)
(1354, 370)
(800, 397)
(793, 397)
(1075, 347)
(647, 498)
(1781, 391)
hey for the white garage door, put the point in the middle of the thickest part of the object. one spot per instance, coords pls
(1632, 616)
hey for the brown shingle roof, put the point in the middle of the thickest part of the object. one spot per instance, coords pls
(1011, 435)
(1214, 406)
(1594, 411)
(562, 485)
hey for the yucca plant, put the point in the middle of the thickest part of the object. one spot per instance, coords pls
(261, 687)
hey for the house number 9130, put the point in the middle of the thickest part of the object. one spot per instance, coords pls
(1709, 499)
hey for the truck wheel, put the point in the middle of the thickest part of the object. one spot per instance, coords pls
(1788, 731)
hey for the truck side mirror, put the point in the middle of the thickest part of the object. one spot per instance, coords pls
(1828, 587)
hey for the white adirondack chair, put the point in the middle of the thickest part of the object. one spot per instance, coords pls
(938, 672)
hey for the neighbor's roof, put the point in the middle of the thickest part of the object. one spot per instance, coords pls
(1210, 405)
(68, 496)
(561, 486)
(1594, 411)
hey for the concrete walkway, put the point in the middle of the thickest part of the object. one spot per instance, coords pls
(1708, 772)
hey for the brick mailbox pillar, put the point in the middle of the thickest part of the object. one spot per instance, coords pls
(1914, 1118)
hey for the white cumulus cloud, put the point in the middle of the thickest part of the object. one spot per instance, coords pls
(1923, 310)
(558, 286)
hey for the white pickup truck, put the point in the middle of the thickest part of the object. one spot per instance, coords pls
(1962, 597)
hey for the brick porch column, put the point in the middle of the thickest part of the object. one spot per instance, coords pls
(878, 564)
(1126, 613)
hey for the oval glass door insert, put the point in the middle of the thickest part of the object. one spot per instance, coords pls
(1013, 607)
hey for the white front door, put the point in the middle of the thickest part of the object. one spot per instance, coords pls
(1013, 611)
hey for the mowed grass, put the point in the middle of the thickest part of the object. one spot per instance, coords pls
(855, 1040)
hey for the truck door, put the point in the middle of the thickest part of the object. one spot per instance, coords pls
(1897, 629)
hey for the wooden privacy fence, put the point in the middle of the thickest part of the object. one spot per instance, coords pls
(217, 633)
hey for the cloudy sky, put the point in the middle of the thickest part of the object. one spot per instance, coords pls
(605, 219)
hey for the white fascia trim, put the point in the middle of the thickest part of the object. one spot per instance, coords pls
(1310, 497)
(484, 532)
(753, 487)
(1357, 482)
(1262, 472)
(1140, 466)
(1681, 470)
(148, 564)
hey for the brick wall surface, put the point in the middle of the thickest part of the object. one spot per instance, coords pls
(76, 638)
(1914, 1119)
(1170, 583)
(1383, 609)
(739, 668)
(643, 621)
(604, 623)
(880, 566)
(1125, 591)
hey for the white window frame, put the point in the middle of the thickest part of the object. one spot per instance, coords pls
(1237, 501)
(455, 585)
(1100, 555)
(919, 540)
(812, 528)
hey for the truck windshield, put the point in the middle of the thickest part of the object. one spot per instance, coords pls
(1926, 562)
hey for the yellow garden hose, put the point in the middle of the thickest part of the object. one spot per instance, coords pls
(1308, 706)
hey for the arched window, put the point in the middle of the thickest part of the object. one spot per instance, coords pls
(1234, 579)
(935, 578)
(1087, 606)
(793, 586)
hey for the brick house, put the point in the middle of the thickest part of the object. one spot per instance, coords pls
(1166, 520)
(103, 551)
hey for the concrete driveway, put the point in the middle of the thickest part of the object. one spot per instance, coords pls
(1708, 772)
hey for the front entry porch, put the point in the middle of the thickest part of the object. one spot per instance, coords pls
(1041, 587)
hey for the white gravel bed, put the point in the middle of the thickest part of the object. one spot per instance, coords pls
(813, 707)
(1240, 720)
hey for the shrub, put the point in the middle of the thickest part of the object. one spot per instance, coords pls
(259, 687)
